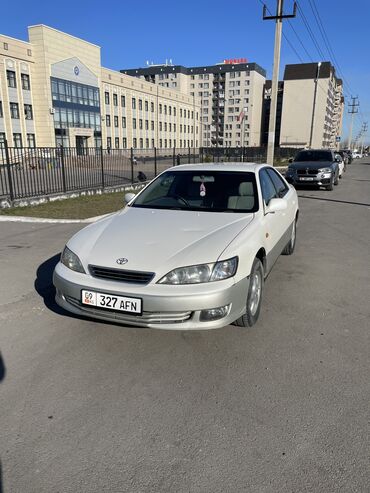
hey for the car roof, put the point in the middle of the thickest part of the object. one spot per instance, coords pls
(244, 167)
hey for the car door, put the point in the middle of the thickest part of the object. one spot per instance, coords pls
(273, 224)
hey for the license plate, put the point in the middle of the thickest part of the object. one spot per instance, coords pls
(112, 302)
(306, 178)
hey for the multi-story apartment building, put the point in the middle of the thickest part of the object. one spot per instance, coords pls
(53, 91)
(230, 95)
(312, 106)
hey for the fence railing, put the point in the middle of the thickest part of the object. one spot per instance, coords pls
(34, 172)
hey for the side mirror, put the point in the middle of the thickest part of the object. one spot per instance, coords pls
(129, 197)
(276, 205)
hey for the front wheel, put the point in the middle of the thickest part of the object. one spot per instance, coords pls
(330, 186)
(254, 297)
(289, 249)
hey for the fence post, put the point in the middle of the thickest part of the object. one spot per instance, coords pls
(132, 164)
(189, 155)
(11, 190)
(63, 168)
(155, 162)
(102, 167)
(174, 156)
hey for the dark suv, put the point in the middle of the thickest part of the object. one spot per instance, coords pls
(314, 167)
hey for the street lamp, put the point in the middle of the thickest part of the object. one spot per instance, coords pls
(314, 102)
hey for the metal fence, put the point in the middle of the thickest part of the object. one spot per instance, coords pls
(36, 172)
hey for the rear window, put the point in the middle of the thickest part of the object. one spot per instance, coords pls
(314, 156)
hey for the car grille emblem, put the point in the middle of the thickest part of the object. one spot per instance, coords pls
(121, 261)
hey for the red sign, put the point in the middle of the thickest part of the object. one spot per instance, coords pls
(234, 61)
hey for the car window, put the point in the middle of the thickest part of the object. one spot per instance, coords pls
(280, 186)
(267, 187)
(201, 190)
(313, 156)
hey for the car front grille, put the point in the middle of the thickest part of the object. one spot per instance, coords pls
(144, 320)
(307, 171)
(121, 275)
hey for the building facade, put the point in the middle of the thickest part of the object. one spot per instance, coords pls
(54, 91)
(230, 96)
(312, 106)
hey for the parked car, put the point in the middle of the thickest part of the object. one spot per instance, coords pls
(349, 154)
(345, 158)
(190, 251)
(356, 155)
(314, 167)
(340, 162)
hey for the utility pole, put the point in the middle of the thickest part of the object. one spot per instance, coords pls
(314, 102)
(275, 72)
(363, 131)
(353, 108)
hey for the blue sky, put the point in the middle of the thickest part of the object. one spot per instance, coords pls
(132, 32)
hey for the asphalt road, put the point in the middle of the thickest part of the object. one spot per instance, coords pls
(282, 407)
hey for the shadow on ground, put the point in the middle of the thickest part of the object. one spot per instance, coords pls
(45, 288)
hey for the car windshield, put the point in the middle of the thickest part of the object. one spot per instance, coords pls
(212, 191)
(313, 156)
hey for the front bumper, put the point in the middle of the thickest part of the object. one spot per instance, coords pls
(319, 180)
(164, 307)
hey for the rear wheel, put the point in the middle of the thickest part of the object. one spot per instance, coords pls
(254, 297)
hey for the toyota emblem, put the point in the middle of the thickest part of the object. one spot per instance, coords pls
(121, 261)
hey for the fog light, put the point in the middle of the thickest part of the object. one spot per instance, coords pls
(214, 313)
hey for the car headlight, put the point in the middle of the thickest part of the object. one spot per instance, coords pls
(324, 170)
(196, 274)
(70, 260)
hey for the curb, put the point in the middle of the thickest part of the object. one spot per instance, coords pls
(26, 219)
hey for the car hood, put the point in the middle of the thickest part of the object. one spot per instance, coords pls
(310, 164)
(156, 240)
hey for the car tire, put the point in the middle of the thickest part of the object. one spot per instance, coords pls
(289, 249)
(254, 297)
(336, 181)
(330, 186)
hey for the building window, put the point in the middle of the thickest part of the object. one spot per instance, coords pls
(28, 112)
(17, 140)
(107, 120)
(14, 111)
(31, 140)
(6, 46)
(160, 126)
(147, 143)
(152, 125)
(2, 140)
(140, 104)
(109, 142)
(116, 121)
(153, 144)
(29, 52)
(1, 110)
(165, 127)
(141, 143)
(123, 101)
(141, 124)
(25, 78)
(169, 110)
(160, 143)
(134, 145)
(124, 142)
(146, 125)
(123, 122)
(106, 97)
(174, 111)
(160, 109)
(174, 127)
(146, 106)
(180, 112)
(133, 103)
(165, 109)
(169, 127)
(115, 100)
(10, 75)
(152, 107)
(116, 142)
(134, 123)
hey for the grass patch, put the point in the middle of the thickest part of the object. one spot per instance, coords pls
(76, 208)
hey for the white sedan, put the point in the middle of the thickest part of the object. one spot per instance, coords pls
(189, 251)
